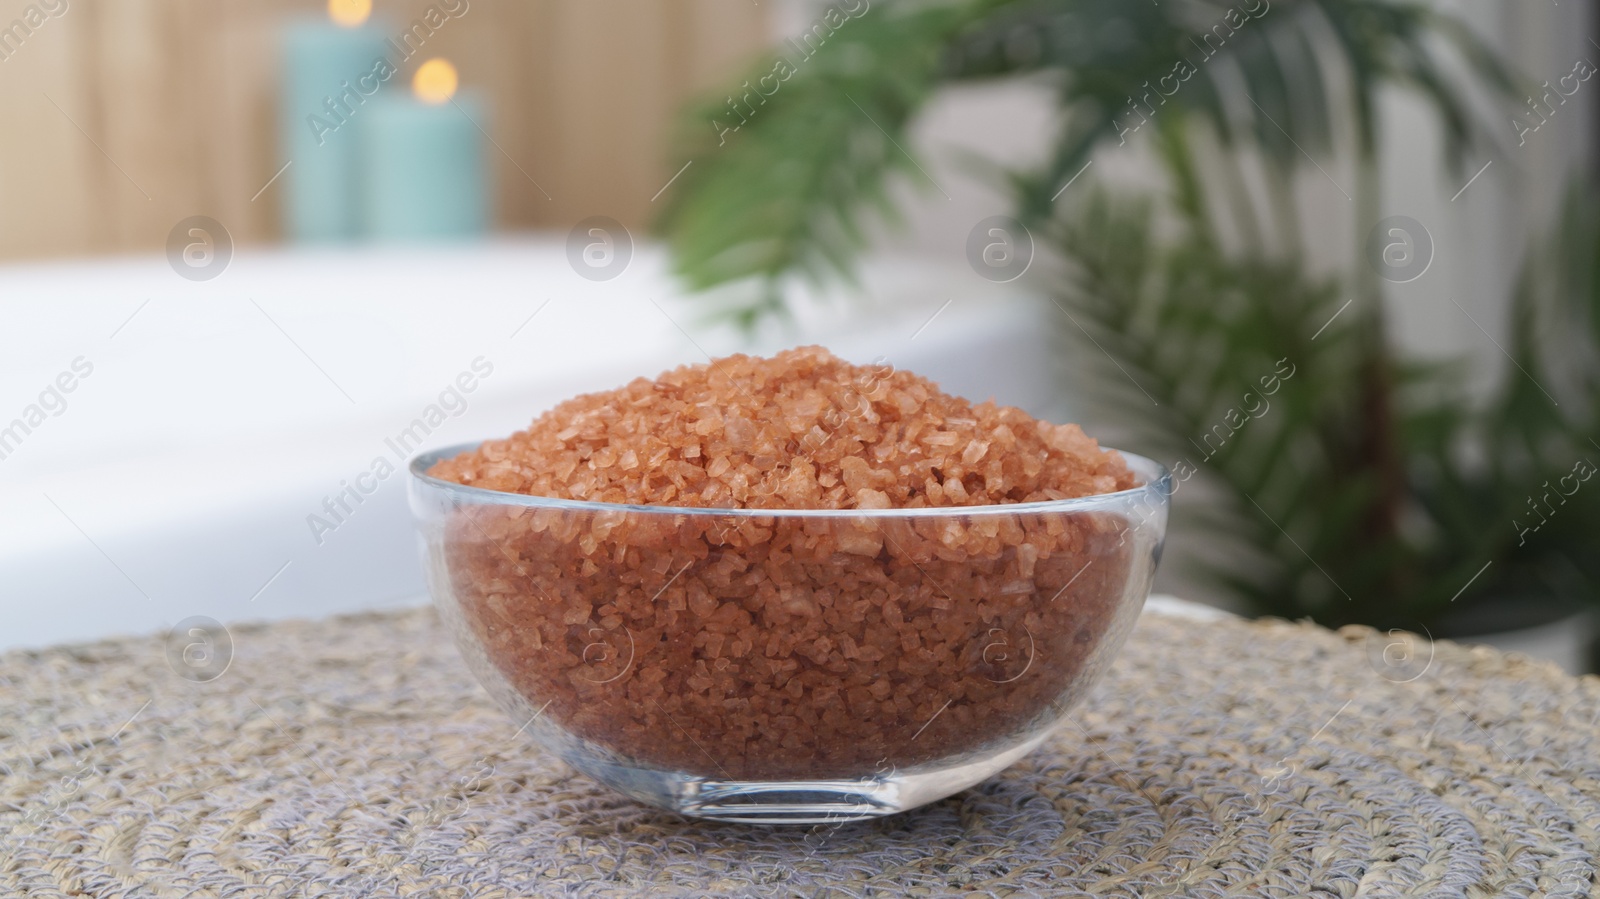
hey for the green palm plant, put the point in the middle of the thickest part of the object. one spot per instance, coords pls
(790, 186)
(1543, 430)
(1356, 497)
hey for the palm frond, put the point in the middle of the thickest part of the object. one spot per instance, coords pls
(1215, 355)
(788, 165)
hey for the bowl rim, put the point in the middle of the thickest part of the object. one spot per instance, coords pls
(1157, 483)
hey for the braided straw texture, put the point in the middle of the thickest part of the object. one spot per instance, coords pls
(356, 757)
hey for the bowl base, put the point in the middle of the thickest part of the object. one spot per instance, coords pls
(820, 801)
(786, 802)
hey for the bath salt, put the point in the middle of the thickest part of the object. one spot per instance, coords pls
(757, 645)
(801, 430)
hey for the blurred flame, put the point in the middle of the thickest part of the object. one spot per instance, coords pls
(435, 81)
(349, 13)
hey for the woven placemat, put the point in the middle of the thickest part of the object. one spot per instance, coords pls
(356, 757)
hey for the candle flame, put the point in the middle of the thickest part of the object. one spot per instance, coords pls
(349, 13)
(435, 81)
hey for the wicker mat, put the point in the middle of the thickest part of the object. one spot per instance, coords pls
(356, 757)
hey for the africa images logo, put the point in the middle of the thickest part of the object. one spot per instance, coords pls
(804, 47)
(338, 507)
(51, 403)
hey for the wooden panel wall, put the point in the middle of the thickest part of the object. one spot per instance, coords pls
(120, 117)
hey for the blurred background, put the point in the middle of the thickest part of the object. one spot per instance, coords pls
(1333, 263)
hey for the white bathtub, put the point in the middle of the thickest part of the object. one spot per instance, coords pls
(219, 416)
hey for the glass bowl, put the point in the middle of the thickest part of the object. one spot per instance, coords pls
(788, 665)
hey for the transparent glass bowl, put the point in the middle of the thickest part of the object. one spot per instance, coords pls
(788, 665)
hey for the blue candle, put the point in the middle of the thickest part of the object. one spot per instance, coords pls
(330, 75)
(422, 162)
